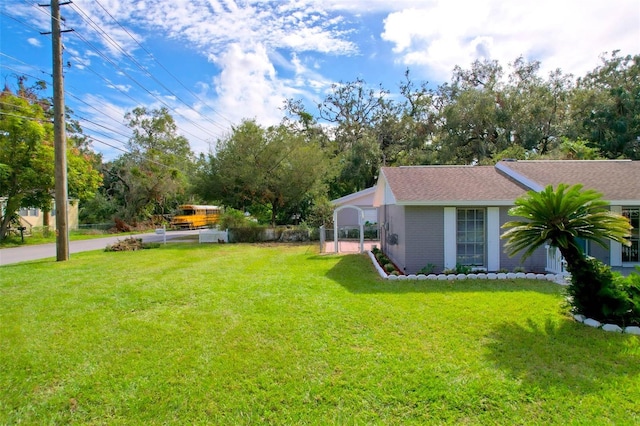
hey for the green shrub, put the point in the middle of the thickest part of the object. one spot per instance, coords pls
(427, 269)
(388, 267)
(252, 234)
(597, 292)
(232, 218)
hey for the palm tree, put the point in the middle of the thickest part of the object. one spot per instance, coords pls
(559, 218)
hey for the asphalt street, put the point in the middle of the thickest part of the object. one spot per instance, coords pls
(46, 251)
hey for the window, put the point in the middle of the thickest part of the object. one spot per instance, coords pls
(470, 237)
(29, 212)
(631, 253)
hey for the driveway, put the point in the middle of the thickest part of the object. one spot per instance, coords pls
(44, 251)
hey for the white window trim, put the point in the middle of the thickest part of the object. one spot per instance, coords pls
(450, 252)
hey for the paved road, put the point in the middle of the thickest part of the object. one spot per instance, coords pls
(43, 251)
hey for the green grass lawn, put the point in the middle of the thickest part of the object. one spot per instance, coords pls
(247, 334)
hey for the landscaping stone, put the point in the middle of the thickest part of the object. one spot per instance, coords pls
(579, 317)
(492, 276)
(412, 277)
(612, 327)
(442, 277)
(530, 276)
(461, 276)
(511, 275)
(501, 276)
(392, 277)
(472, 276)
(521, 275)
(482, 276)
(432, 277)
(451, 277)
(421, 277)
(541, 277)
(592, 323)
(632, 330)
(402, 277)
(551, 277)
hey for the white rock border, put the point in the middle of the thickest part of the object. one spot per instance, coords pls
(558, 279)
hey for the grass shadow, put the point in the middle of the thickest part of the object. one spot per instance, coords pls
(357, 274)
(563, 355)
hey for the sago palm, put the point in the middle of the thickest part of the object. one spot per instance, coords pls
(559, 218)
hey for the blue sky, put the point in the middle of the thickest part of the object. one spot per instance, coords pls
(215, 62)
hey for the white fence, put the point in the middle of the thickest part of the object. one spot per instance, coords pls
(213, 236)
(555, 261)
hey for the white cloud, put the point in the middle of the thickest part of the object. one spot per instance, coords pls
(568, 34)
(247, 86)
(34, 42)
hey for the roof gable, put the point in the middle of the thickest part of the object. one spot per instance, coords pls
(360, 198)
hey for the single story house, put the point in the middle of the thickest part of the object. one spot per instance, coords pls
(449, 215)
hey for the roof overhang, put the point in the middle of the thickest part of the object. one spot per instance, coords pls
(458, 203)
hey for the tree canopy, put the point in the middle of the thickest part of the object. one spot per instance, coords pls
(27, 156)
(258, 168)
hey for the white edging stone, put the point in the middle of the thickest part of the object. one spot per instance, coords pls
(579, 317)
(592, 323)
(632, 329)
(612, 327)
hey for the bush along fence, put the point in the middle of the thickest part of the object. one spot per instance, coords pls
(388, 271)
(256, 234)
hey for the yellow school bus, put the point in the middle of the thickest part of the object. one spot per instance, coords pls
(194, 216)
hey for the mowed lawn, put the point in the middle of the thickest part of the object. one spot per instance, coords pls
(279, 334)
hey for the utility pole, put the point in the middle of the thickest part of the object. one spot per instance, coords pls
(59, 137)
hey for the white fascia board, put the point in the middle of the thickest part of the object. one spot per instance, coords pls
(459, 203)
(625, 203)
(504, 168)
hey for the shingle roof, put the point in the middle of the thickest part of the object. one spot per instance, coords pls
(446, 184)
(615, 179)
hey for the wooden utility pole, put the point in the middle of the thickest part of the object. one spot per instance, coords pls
(59, 138)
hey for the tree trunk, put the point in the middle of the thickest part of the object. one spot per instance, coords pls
(13, 203)
(45, 221)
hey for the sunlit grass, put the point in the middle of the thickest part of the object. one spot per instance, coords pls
(246, 334)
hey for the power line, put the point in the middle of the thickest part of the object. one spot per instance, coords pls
(138, 64)
(128, 75)
(160, 64)
(22, 116)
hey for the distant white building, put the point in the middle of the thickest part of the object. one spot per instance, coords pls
(34, 217)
